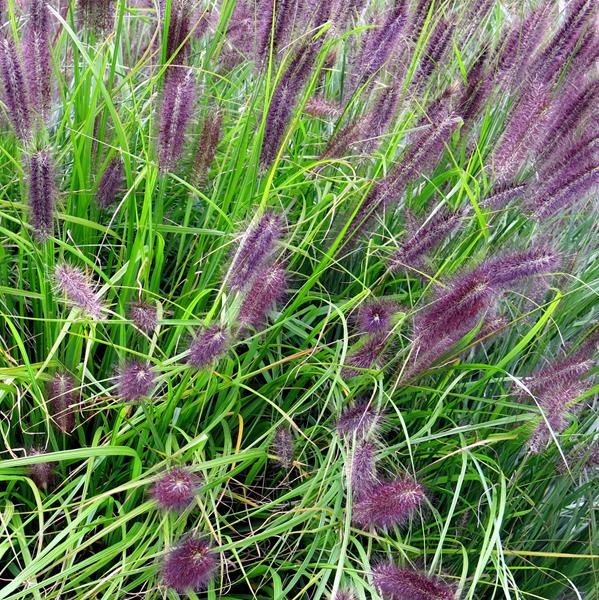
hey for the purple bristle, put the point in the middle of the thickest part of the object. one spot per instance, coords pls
(15, 91)
(395, 583)
(110, 183)
(363, 470)
(269, 288)
(388, 504)
(177, 106)
(359, 419)
(179, 29)
(370, 355)
(435, 50)
(175, 490)
(255, 248)
(135, 380)
(374, 317)
(98, 15)
(62, 394)
(41, 473)
(207, 145)
(189, 566)
(41, 194)
(144, 316)
(207, 346)
(78, 289)
(282, 444)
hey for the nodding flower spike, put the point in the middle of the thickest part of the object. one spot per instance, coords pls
(135, 380)
(77, 289)
(207, 145)
(269, 288)
(42, 473)
(360, 418)
(375, 317)
(207, 346)
(189, 566)
(362, 470)
(16, 95)
(370, 355)
(110, 183)
(62, 395)
(395, 583)
(41, 194)
(36, 56)
(388, 503)
(144, 316)
(282, 444)
(255, 248)
(176, 489)
(177, 105)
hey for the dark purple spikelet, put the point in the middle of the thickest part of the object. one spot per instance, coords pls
(525, 122)
(77, 289)
(274, 19)
(395, 583)
(317, 106)
(177, 105)
(382, 42)
(360, 419)
(343, 595)
(179, 29)
(475, 95)
(135, 380)
(36, 56)
(41, 194)
(370, 355)
(282, 445)
(41, 473)
(144, 316)
(189, 566)
(284, 99)
(362, 471)
(502, 195)
(62, 392)
(269, 288)
(255, 248)
(425, 238)
(97, 15)
(110, 183)
(15, 90)
(388, 504)
(436, 48)
(374, 317)
(207, 145)
(175, 490)
(505, 271)
(207, 346)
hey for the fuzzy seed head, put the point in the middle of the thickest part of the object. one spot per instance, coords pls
(370, 355)
(359, 419)
(42, 474)
(77, 289)
(388, 504)
(207, 346)
(15, 90)
(135, 380)
(110, 183)
(269, 287)
(36, 56)
(98, 15)
(395, 583)
(189, 566)
(144, 316)
(362, 470)
(41, 194)
(175, 490)
(62, 396)
(374, 317)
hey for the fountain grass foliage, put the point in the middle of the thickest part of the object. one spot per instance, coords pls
(226, 230)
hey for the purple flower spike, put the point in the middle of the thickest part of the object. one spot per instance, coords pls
(144, 316)
(177, 106)
(501, 196)
(41, 194)
(179, 29)
(282, 444)
(42, 474)
(269, 288)
(507, 270)
(207, 346)
(15, 90)
(343, 595)
(274, 18)
(435, 50)
(394, 583)
(176, 489)
(255, 248)
(110, 183)
(190, 566)
(62, 396)
(98, 15)
(360, 418)
(363, 471)
(370, 355)
(320, 107)
(388, 504)
(78, 290)
(135, 380)
(36, 56)
(207, 144)
(374, 317)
